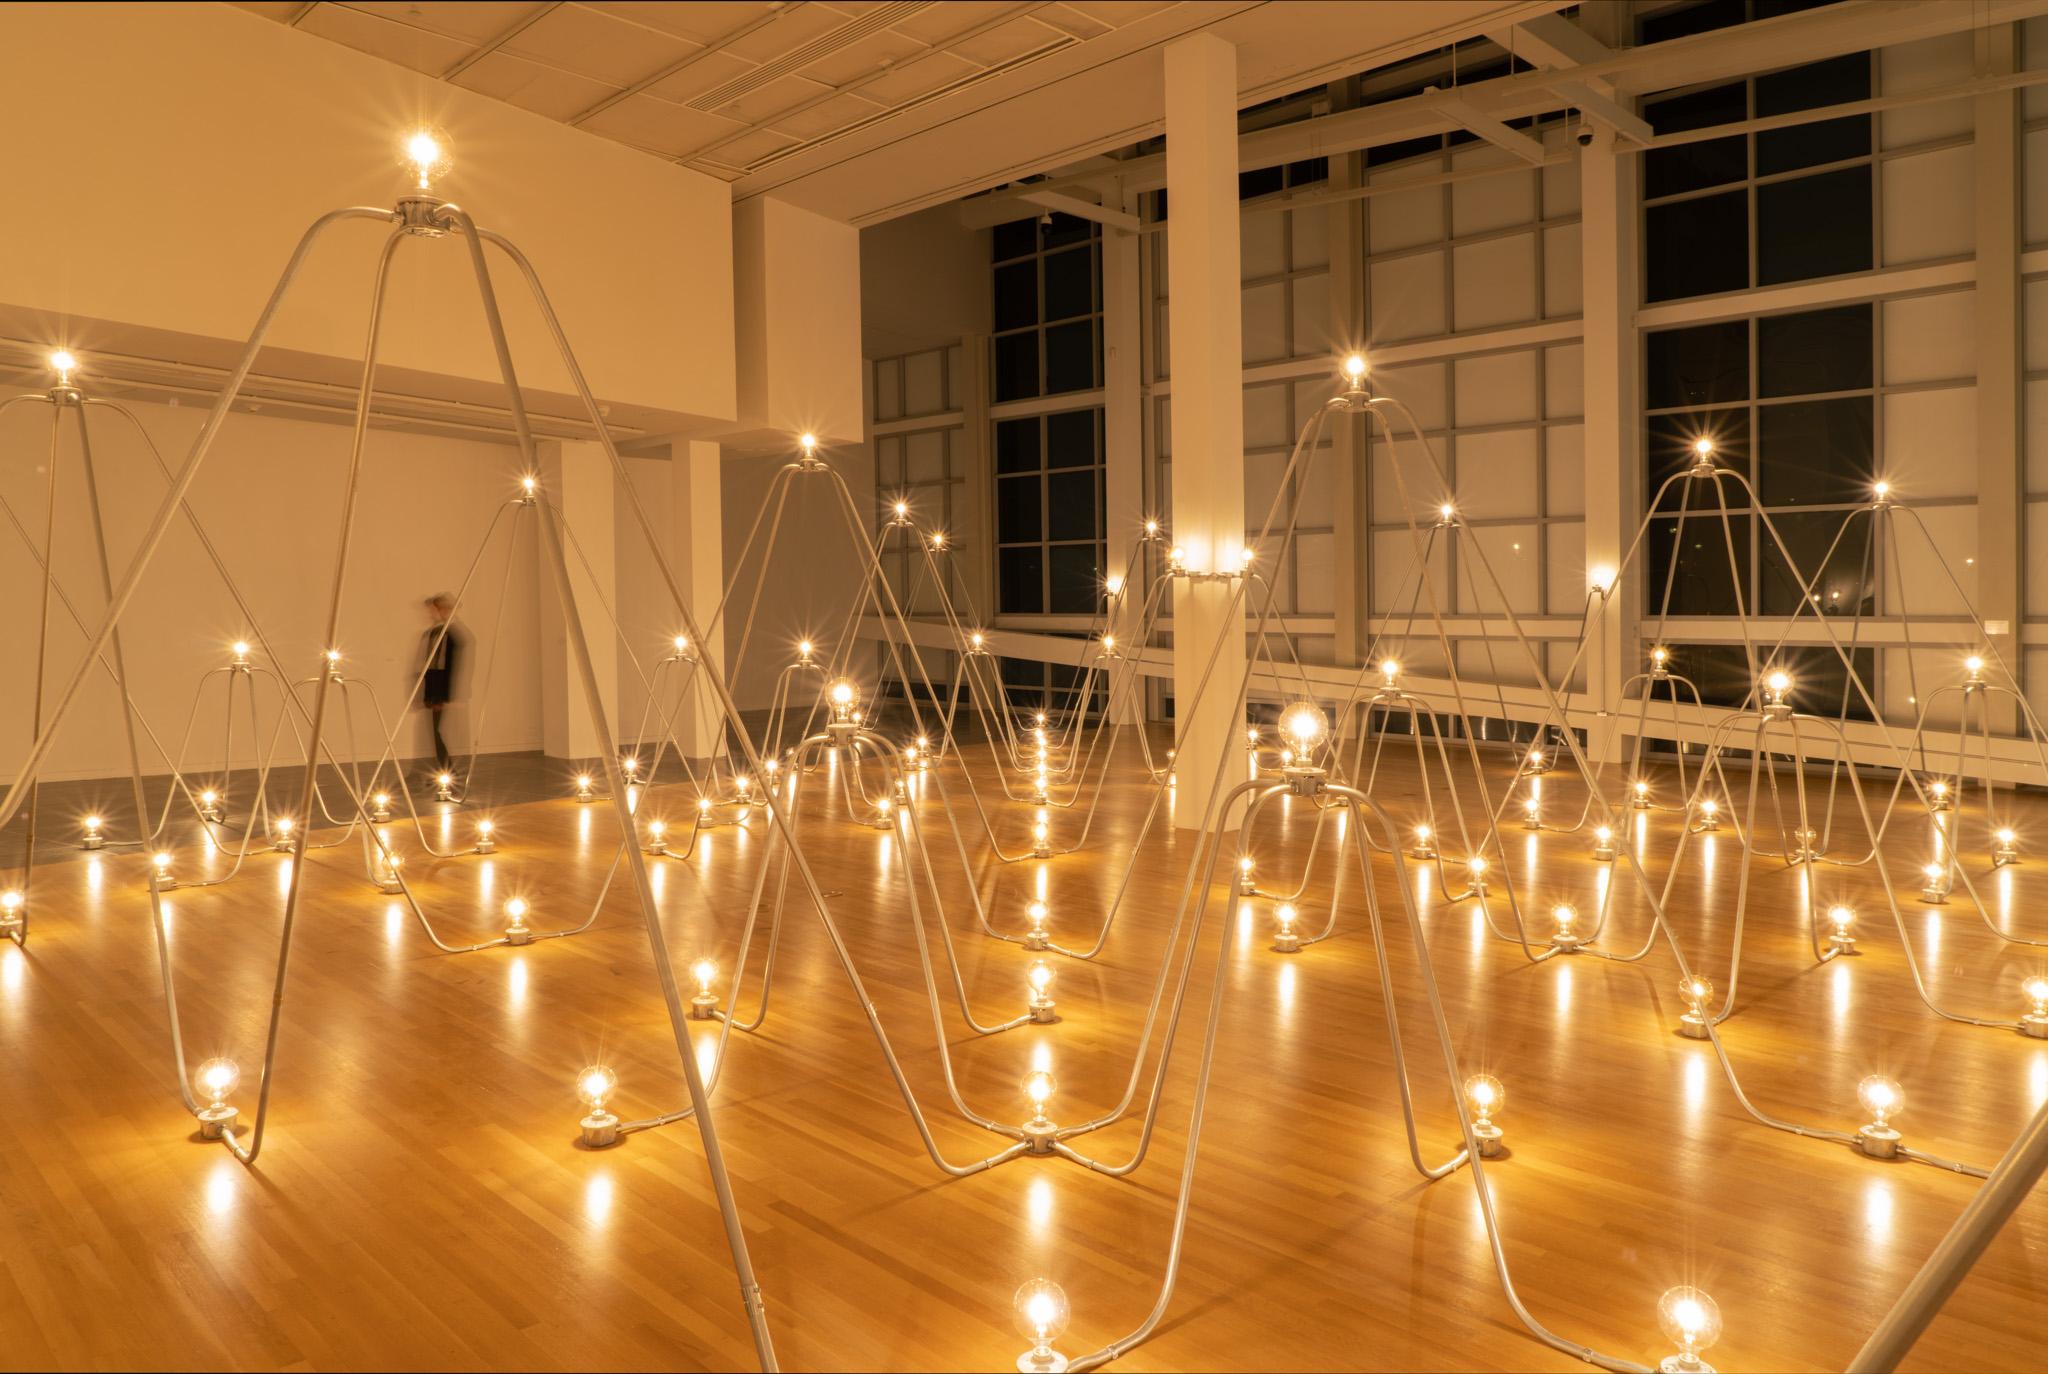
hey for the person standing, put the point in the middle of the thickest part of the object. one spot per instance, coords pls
(441, 646)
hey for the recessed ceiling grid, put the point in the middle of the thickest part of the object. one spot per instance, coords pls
(724, 87)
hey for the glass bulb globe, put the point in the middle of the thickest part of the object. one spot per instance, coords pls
(1039, 975)
(485, 826)
(425, 155)
(1037, 913)
(1354, 367)
(1779, 682)
(1564, 913)
(1305, 724)
(1690, 1318)
(1042, 1311)
(595, 1084)
(1485, 1096)
(1880, 1097)
(516, 908)
(1841, 918)
(1285, 915)
(1423, 832)
(704, 971)
(2035, 990)
(1696, 990)
(1703, 446)
(1039, 1086)
(844, 694)
(216, 1079)
(1603, 833)
(62, 361)
(1475, 865)
(1390, 670)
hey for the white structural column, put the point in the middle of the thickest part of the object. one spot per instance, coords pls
(697, 553)
(2001, 495)
(578, 478)
(1607, 180)
(1207, 348)
(1123, 431)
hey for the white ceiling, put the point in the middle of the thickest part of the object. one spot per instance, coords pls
(867, 109)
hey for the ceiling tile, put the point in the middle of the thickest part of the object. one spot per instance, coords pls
(863, 59)
(1008, 42)
(751, 148)
(784, 93)
(598, 46)
(829, 118)
(394, 42)
(1117, 13)
(792, 28)
(935, 26)
(709, 70)
(669, 129)
(922, 77)
(478, 22)
(699, 21)
(531, 86)
(280, 10)
(1070, 19)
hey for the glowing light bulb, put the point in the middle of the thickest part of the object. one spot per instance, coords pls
(1354, 368)
(808, 442)
(2035, 990)
(1779, 682)
(1177, 558)
(334, 655)
(1882, 490)
(1881, 1097)
(1422, 832)
(1245, 556)
(427, 154)
(486, 835)
(682, 642)
(212, 798)
(1036, 914)
(844, 696)
(1039, 1087)
(162, 861)
(1703, 447)
(1696, 991)
(1691, 1319)
(1286, 936)
(1659, 657)
(1484, 1100)
(1305, 724)
(583, 792)
(595, 1085)
(704, 971)
(1566, 915)
(1151, 528)
(1601, 579)
(241, 648)
(1476, 866)
(1113, 584)
(64, 364)
(1042, 1315)
(1109, 644)
(977, 639)
(1390, 672)
(516, 931)
(529, 485)
(1039, 975)
(10, 906)
(1251, 737)
(217, 1079)
(902, 509)
(1445, 512)
(1975, 665)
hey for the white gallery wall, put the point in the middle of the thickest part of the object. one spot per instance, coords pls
(269, 496)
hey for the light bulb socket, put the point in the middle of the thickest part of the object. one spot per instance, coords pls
(1565, 943)
(1039, 1133)
(1603, 850)
(2003, 855)
(1287, 941)
(282, 843)
(211, 812)
(1531, 819)
(1036, 940)
(1305, 780)
(1841, 942)
(600, 1131)
(1423, 849)
(2034, 1024)
(1878, 1141)
(1640, 801)
(486, 844)
(1042, 1360)
(1684, 1364)
(1708, 822)
(14, 920)
(704, 1007)
(1490, 1138)
(93, 840)
(1693, 1025)
(519, 933)
(215, 1120)
(657, 847)
(586, 794)
(387, 881)
(1935, 892)
(1043, 1009)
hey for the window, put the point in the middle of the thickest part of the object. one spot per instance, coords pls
(1803, 195)
(919, 456)
(1790, 402)
(1048, 307)
(1049, 527)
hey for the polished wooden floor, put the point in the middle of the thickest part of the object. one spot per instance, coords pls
(421, 1201)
